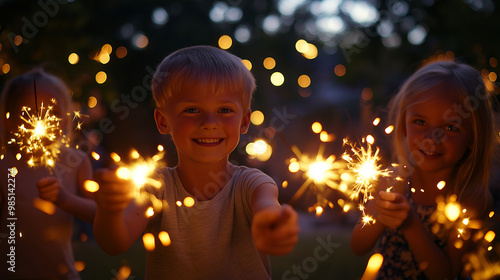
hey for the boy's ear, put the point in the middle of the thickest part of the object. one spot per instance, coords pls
(161, 122)
(245, 122)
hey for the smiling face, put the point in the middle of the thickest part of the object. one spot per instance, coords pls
(205, 127)
(438, 131)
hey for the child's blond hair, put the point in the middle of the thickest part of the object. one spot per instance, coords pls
(202, 68)
(467, 84)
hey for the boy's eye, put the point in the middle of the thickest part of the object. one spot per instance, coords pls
(225, 110)
(191, 110)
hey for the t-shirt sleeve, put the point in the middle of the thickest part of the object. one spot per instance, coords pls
(251, 178)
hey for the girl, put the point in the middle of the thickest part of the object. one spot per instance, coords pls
(444, 131)
(39, 234)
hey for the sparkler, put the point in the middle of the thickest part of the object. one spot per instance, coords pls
(140, 170)
(320, 173)
(40, 136)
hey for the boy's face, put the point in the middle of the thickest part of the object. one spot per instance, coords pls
(204, 127)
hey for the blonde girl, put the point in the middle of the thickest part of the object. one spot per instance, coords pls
(444, 131)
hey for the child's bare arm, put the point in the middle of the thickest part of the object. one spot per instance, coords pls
(80, 206)
(119, 220)
(275, 228)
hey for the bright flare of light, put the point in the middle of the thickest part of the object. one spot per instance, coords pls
(441, 185)
(489, 236)
(40, 136)
(148, 240)
(91, 186)
(365, 166)
(189, 201)
(316, 127)
(150, 212)
(321, 175)
(373, 266)
(164, 238)
(140, 170)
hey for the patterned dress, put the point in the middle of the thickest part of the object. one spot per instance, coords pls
(399, 262)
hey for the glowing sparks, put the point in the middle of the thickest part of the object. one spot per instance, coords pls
(140, 170)
(40, 136)
(366, 168)
(321, 175)
(450, 214)
(365, 165)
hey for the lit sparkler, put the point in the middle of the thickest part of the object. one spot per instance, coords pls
(450, 214)
(365, 165)
(319, 172)
(40, 136)
(140, 171)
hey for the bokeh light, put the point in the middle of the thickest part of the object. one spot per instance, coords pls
(269, 63)
(101, 77)
(277, 79)
(225, 42)
(257, 117)
(73, 58)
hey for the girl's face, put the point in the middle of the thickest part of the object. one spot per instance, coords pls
(438, 131)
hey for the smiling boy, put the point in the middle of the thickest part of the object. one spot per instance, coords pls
(203, 99)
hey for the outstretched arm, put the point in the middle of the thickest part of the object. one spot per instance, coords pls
(119, 219)
(275, 228)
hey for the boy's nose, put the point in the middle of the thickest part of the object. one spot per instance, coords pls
(209, 121)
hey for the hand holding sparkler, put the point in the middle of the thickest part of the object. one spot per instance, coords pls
(393, 209)
(114, 194)
(50, 189)
(275, 229)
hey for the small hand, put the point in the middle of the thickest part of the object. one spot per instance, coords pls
(392, 209)
(275, 229)
(114, 194)
(50, 189)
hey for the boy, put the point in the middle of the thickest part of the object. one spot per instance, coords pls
(203, 99)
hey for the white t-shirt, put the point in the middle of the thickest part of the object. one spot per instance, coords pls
(212, 239)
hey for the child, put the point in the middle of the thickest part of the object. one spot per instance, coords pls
(444, 131)
(203, 98)
(37, 244)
